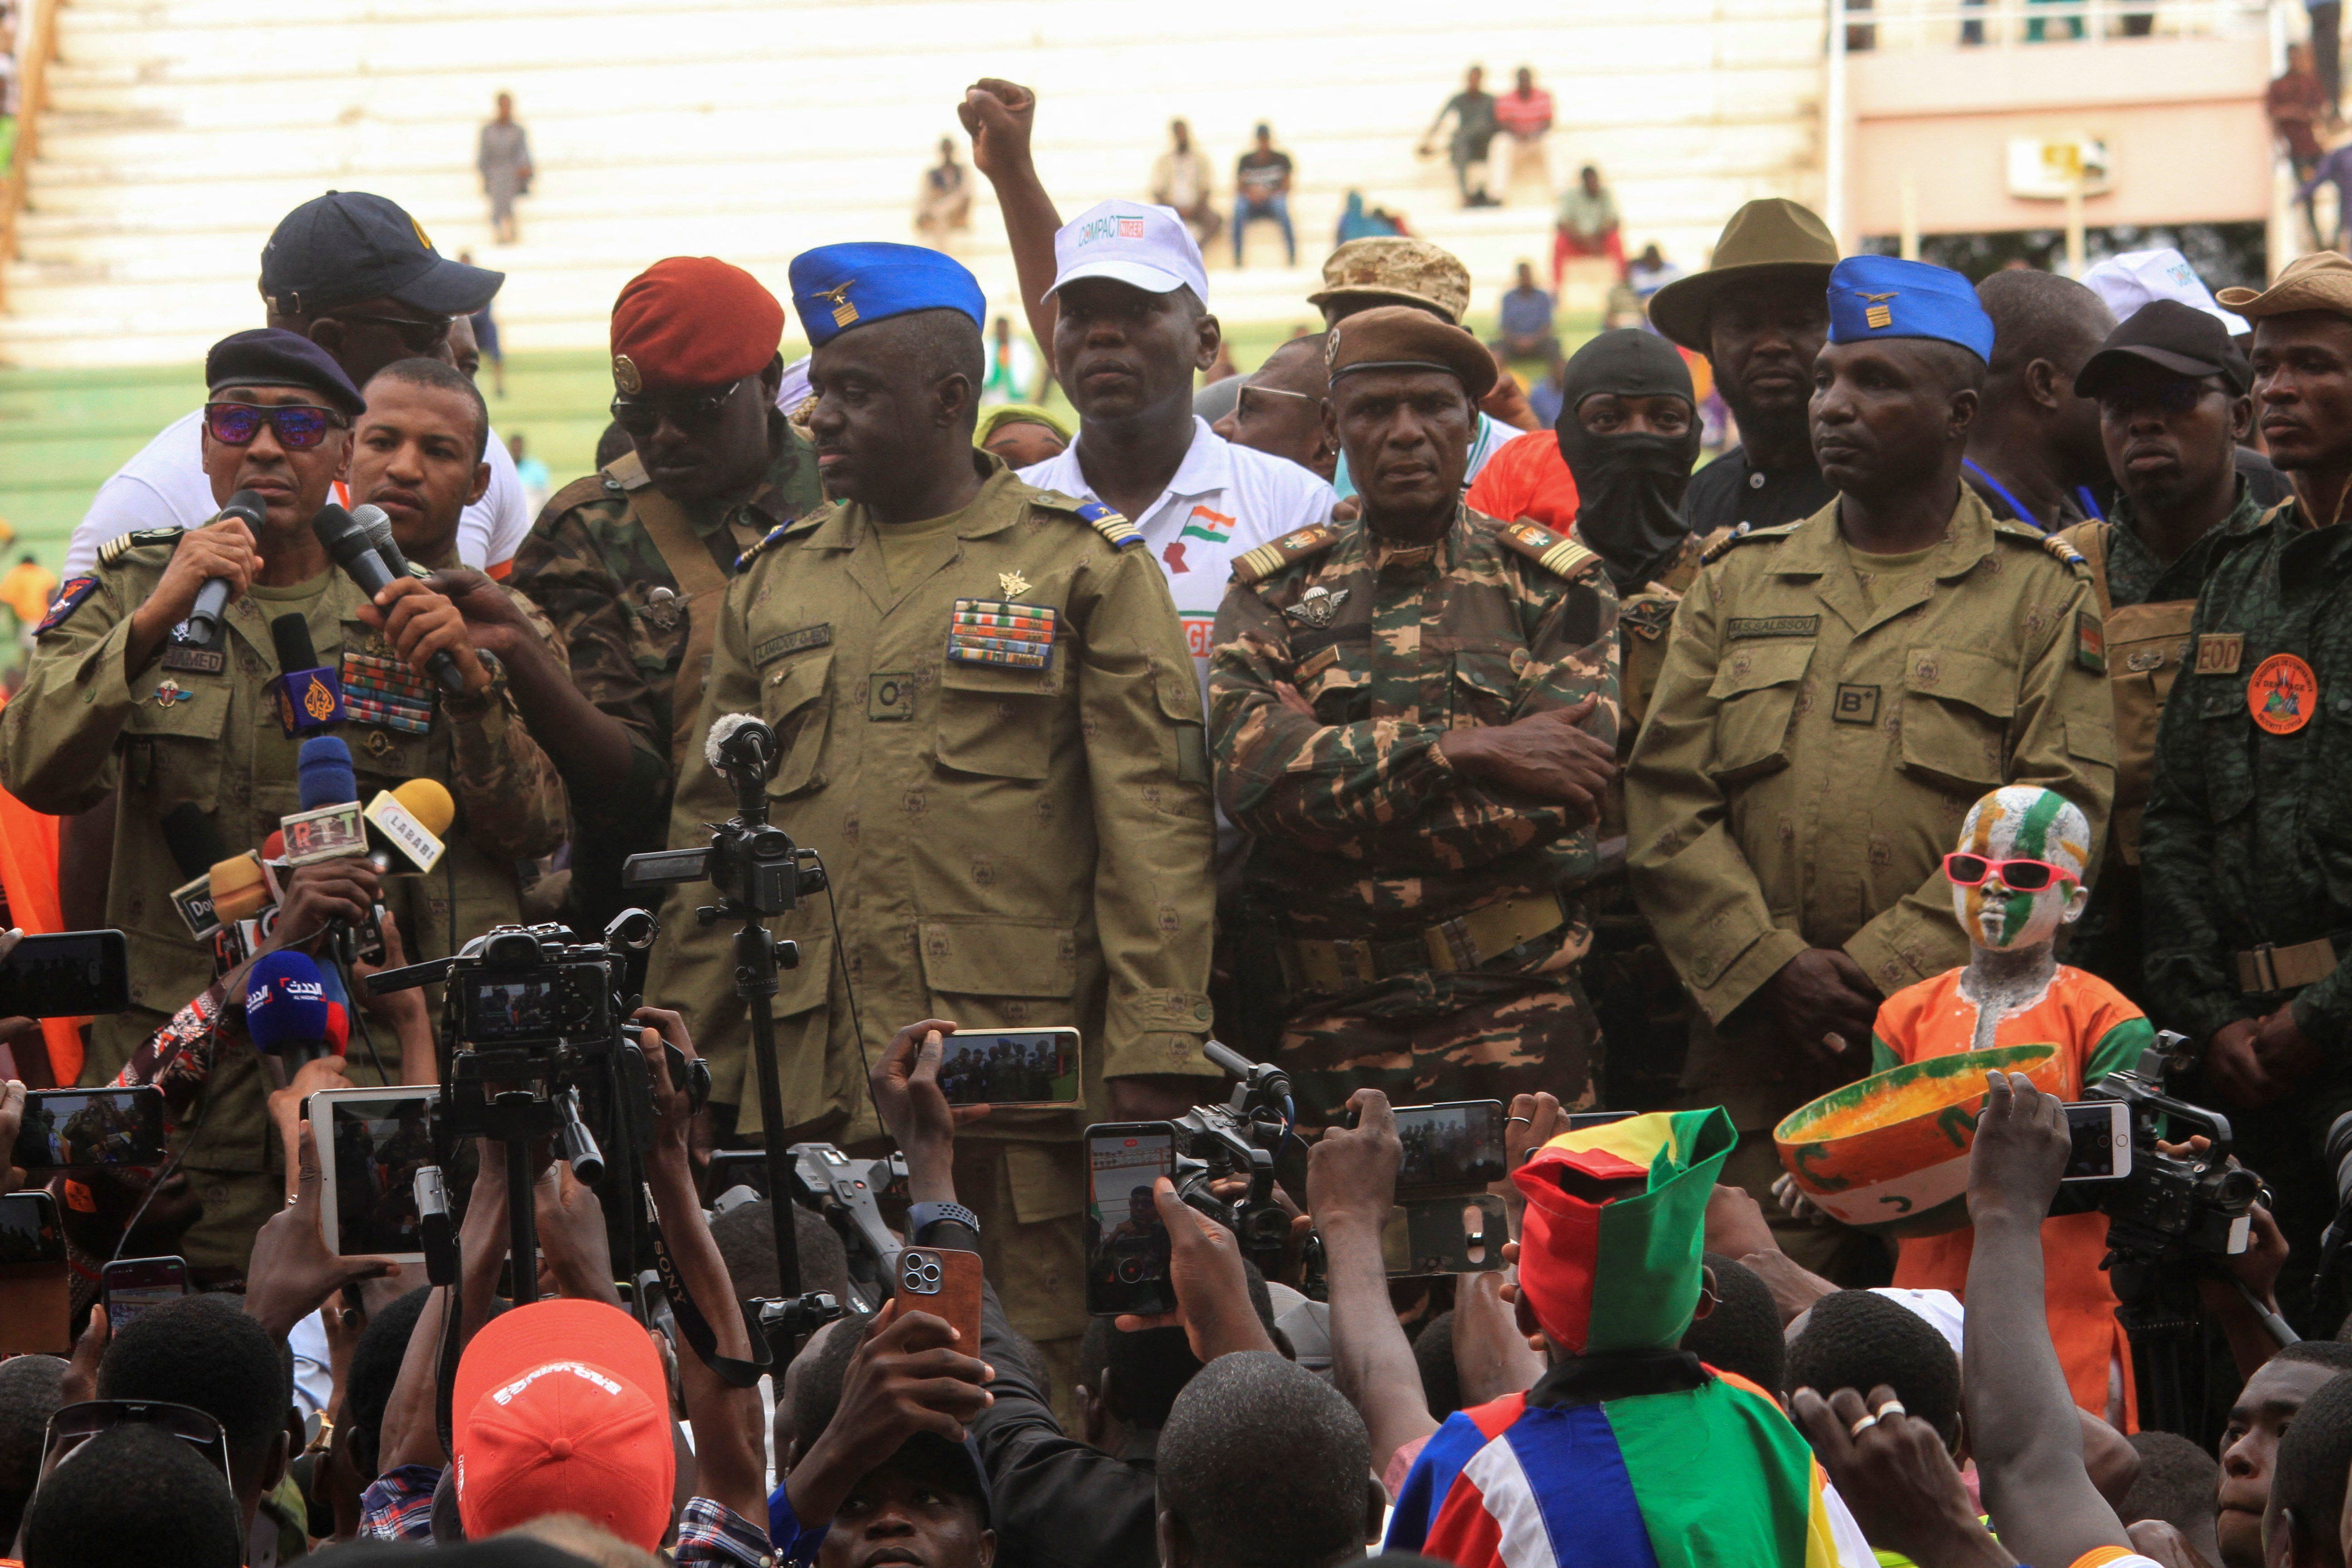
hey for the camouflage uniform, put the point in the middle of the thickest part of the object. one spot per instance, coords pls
(1429, 927)
(1807, 760)
(2147, 606)
(2247, 844)
(1008, 845)
(638, 611)
(198, 725)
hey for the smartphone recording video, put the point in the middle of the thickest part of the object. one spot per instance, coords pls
(66, 975)
(1126, 1247)
(66, 1128)
(1010, 1067)
(2098, 1132)
(1458, 1144)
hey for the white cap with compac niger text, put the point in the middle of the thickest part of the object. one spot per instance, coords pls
(1134, 243)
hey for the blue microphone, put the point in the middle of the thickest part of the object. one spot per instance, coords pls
(323, 773)
(286, 1008)
(328, 825)
(310, 695)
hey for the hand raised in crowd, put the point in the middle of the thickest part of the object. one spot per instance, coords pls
(673, 1101)
(1204, 1269)
(292, 1274)
(997, 115)
(575, 1255)
(320, 893)
(1823, 993)
(1897, 1478)
(285, 1111)
(1545, 756)
(12, 1121)
(2019, 1153)
(420, 622)
(907, 1377)
(494, 621)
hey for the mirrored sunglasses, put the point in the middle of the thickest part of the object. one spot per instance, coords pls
(299, 426)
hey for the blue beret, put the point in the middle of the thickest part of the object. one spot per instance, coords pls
(1888, 297)
(269, 356)
(836, 287)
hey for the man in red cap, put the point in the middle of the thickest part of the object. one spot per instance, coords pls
(631, 562)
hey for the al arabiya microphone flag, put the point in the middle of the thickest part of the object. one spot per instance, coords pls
(1628, 1453)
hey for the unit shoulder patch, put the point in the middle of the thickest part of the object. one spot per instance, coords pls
(69, 599)
(1555, 552)
(1256, 565)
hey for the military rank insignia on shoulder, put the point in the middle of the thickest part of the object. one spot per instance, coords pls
(69, 598)
(2064, 551)
(1257, 565)
(775, 537)
(1745, 534)
(1555, 552)
(122, 544)
(1111, 524)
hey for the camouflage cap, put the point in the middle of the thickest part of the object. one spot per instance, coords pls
(1398, 269)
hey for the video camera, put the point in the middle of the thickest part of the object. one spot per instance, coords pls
(2172, 1206)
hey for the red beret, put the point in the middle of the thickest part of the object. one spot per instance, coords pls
(692, 321)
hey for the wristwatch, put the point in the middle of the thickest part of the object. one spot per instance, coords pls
(920, 1217)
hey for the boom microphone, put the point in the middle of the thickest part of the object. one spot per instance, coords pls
(204, 618)
(310, 697)
(347, 540)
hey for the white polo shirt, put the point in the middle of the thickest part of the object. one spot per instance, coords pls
(165, 487)
(1225, 500)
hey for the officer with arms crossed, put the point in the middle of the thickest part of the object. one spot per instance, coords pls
(1416, 717)
(990, 730)
(1836, 693)
(118, 705)
(2247, 844)
(631, 562)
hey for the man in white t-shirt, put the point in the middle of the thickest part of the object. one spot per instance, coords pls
(1132, 326)
(356, 275)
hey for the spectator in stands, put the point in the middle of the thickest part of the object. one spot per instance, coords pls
(1262, 190)
(943, 202)
(1263, 1463)
(2295, 103)
(1650, 272)
(2035, 453)
(1587, 226)
(1355, 223)
(1012, 368)
(1022, 434)
(1524, 117)
(1761, 314)
(2334, 169)
(1741, 1334)
(26, 591)
(1279, 409)
(1473, 112)
(502, 154)
(530, 472)
(354, 274)
(1526, 322)
(30, 1393)
(135, 1496)
(1860, 1339)
(1180, 178)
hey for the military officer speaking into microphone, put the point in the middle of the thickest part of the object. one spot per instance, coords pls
(120, 701)
(990, 730)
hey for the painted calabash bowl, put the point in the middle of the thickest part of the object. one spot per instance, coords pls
(1889, 1155)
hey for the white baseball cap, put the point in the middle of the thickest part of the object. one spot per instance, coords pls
(1134, 243)
(2138, 278)
(1941, 1308)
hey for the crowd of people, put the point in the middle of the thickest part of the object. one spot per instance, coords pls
(1980, 699)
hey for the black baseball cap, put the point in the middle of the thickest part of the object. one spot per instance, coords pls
(348, 245)
(2171, 336)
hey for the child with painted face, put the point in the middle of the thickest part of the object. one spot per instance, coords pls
(2017, 880)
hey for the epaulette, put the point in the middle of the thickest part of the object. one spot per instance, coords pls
(1745, 534)
(2061, 550)
(1257, 565)
(122, 544)
(1555, 552)
(774, 536)
(1111, 524)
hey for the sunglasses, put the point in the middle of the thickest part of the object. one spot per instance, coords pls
(2169, 396)
(74, 1425)
(1242, 403)
(299, 426)
(2018, 876)
(695, 415)
(417, 337)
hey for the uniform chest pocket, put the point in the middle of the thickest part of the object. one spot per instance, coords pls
(996, 722)
(2226, 737)
(1332, 679)
(794, 702)
(1955, 712)
(175, 734)
(1485, 686)
(1755, 691)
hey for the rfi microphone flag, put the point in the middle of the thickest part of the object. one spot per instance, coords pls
(330, 824)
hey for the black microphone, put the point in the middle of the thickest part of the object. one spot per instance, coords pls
(204, 619)
(195, 848)
(309, 696)
(377, 525)
(348, 543)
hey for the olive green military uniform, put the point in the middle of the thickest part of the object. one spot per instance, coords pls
(634, 580)
(1428, 926)
(199, 725)
(2147, 606)
(993, 737)
(1816, 738)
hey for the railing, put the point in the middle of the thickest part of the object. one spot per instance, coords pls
(1888, 25)
(36, 43)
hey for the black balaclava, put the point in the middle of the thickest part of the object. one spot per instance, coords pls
(1629, 488)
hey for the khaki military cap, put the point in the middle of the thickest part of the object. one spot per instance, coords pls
(2321, 281)
(1765, 240)
(1400, 337)
(1392, 267)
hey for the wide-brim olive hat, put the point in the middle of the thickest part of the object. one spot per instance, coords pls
(1765, 240)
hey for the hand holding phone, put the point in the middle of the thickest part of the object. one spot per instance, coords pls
(1010, 1067)
(66, 975)
(130, 1286)
(2099, 1131)
(1127, 1245)
(945, 1283)
(78, 1129)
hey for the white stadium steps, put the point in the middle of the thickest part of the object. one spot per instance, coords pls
(177, 131)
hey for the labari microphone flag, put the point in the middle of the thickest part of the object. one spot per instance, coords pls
(410, 820)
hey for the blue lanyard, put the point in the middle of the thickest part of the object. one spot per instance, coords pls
(2015, 510)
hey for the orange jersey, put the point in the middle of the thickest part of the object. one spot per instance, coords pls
(2095, 1031)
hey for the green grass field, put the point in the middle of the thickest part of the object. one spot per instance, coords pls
(62, 433)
